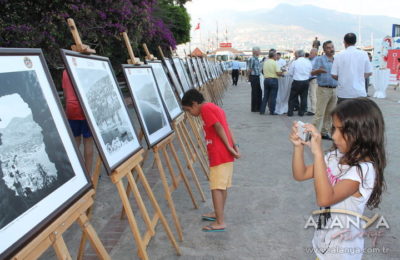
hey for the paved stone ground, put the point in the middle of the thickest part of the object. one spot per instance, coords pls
(266, 209)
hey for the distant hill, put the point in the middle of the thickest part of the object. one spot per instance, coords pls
(289, 26)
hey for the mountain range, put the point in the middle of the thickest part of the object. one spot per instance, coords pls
(288, 26)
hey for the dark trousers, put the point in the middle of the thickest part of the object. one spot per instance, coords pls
(270, 93)
(235, 77)
(256, 93)
(299, 89)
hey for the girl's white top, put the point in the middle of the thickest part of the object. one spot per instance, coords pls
(341, 238)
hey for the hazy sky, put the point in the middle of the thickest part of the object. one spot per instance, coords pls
(197, 8)
(15, 103)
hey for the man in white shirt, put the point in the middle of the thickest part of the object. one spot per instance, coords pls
(351, 67)
(300, 70)
(281, 62)
(235, 71)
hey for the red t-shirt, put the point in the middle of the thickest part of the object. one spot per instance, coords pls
(73, 109)
(217, 151)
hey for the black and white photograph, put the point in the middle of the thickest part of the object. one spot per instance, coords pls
(40, 170)
(185, 71)
(181, 74)
(167, 93)
(191, 72)
(201, 68)
(174, 77)
(197, 70)
(148, 103)
(101, 99)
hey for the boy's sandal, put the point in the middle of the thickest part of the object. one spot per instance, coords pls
(210, 228)
(207, 218)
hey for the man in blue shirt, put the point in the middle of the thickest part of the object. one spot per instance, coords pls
(254, 77)
(326, 91)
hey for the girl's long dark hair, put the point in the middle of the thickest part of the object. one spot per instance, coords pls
(363, 128)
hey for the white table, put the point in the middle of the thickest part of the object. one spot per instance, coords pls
(282, 99)
(380, 81)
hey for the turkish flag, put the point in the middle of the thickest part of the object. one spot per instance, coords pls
(197, 27)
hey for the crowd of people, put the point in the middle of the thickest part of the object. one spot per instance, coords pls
(319, 81)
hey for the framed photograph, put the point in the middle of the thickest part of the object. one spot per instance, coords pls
(197, 70)
(185, 71)
(208, 69)
(181, 74)
(148, 103)
(201, 68)
(192, 73)
(174, 78)
(41, 170)
(167, 93)
(101, 99)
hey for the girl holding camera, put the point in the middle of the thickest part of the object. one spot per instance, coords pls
(347, 178)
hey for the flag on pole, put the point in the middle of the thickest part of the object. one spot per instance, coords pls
(197, 27)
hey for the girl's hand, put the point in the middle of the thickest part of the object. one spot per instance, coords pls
(294, 138)
(315, 142)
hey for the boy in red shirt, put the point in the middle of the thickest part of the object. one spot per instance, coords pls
(222, 151)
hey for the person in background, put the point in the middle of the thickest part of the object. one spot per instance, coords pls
(235, 71)
(300, 70)
(254, 78)
(350, 68)
(367, 79)
(271, 71)
(312, 90)
(281, 62)
(326, 90)
(316, 43)
(77, 121)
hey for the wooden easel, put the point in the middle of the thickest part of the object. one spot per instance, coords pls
(187, 145)
(162, 146)
(117, 177)
(52, 235)
(125, 171)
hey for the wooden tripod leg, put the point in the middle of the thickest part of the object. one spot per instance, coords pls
(157, 208)
(168, 196)
(183, 175)
(60, 248)
(189, 163)
(201, 158)
(128, 192)
(90, 233)
(89, 212)
(170, 168)
(132, 220)
(139, 201)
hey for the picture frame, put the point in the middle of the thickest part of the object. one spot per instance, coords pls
(197, 70)
(164, 86)
(148, 103)
(174, 78)
(208, 69)
(191, 72)
(201, 69)
(181, 74)
(97, 88)
(41, 169)
(185, 71)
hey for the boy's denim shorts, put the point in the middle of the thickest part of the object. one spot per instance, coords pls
(80, 127)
